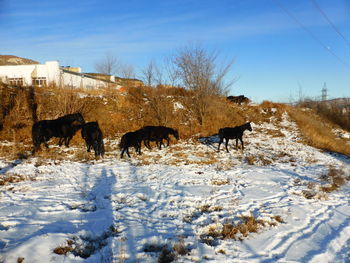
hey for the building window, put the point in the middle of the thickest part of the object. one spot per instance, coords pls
(15, 81)
(39, 81)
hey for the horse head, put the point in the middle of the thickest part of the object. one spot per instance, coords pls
(248, 126)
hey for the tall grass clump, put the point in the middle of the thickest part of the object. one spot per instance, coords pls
(317, 131)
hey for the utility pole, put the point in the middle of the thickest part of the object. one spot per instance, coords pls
(324, 92)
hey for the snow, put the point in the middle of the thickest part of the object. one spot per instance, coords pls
(130, 210)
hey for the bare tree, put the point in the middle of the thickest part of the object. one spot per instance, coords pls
(151, 75)
(127, 71)
(109, 64)
(197, 70)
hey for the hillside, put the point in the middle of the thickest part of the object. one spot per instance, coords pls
(278, 201)
(14, 60)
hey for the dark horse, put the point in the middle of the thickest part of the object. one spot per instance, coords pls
(238, 99)
(64, 128)
(157, 134)
(93, 137)
(130, 139)
(233, 133)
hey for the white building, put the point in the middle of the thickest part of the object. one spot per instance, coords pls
(51, 73)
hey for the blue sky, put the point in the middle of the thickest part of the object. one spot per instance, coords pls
(275, 57)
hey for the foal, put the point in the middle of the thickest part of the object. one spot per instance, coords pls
(233, 133)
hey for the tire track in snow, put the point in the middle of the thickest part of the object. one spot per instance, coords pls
(284, 241)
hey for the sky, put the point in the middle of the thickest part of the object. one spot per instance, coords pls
(283, 50)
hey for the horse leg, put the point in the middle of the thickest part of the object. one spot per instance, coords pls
(95, 146)
(168, 140)
(236, 143)
(146, 143)
(35, 148)
(226, 143)
(46, 145)
(121, 155)
(242, 143)
(127, 151)
(221, 140)
(68, 139)
(138, 149)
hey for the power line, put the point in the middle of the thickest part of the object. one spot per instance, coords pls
(329, 21)
(312, 34)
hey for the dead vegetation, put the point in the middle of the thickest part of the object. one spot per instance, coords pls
(11, 178)
(335, 178)
(317, 131)
(167, 252)
(238, 231)
(85, 246)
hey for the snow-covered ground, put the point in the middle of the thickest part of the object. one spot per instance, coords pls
(173, 204)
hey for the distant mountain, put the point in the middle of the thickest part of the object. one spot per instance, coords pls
(14, 60)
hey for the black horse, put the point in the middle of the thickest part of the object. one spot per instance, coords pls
(64, 128)
(233, 133)
(157, 134)
(93, 137)
(238, 99)
(130, 139)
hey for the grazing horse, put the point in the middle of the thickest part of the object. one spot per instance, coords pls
(157, 134)
(93, 137)
(130, 139)
(64, 128)
(233, 133)
(238, 99)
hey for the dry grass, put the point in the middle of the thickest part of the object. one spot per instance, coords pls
(330, 111)
(220, 182)
(251, 159)
(64, 249)
(180, 248)
(10, 178)
(239, 231)
(275, 133)
(335, 179)
(317, 132)
(257, 159)
(249, 225)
